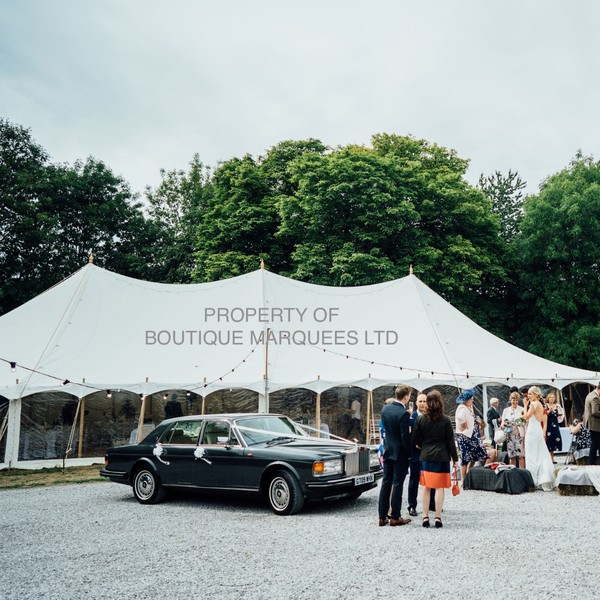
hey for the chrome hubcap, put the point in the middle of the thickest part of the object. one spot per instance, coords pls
(144, 485)
(280, 493)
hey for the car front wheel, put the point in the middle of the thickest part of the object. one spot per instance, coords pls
(285, 494)
(147, 488)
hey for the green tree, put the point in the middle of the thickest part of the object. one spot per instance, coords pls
(238, 222)
(458, 251)
(361, 215)
(506, 195)
(349, 221)
(560, 266)
(241, 218)
(23, 165)
(53, 216)
(175, 208)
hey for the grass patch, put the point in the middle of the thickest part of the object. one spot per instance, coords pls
(27, 478)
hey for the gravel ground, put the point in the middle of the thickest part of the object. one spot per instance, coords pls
(95, 541)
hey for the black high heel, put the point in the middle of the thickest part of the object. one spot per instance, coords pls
(425, 521)
(438, 523)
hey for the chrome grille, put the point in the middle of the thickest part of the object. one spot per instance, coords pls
(357, 462)
(352, 462)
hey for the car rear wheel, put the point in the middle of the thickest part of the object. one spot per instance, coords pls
(147, 488)
(285, 494)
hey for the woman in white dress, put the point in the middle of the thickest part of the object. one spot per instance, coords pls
(537, 456)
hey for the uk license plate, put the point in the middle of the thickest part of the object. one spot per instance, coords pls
(362, 479)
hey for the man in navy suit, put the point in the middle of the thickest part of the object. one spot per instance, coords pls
(396, 457)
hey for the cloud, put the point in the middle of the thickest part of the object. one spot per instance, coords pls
(144, 85)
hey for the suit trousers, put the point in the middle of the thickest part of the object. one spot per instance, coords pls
(594, 447)
(394, 474)
(413, 486)
(492, 434)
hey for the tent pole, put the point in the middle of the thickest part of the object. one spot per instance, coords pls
(81, 419)
(140, 432)
(203, 405)
(318, 415)
(266, 376)
(484, 410)
(265, 400)
(13, 432)
(370, 415)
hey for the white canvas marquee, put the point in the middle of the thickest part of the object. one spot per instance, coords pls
(97, 330)
(260, 331)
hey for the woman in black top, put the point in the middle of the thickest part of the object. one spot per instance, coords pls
(433, 436)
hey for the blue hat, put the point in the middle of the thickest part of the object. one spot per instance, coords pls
(465, 395)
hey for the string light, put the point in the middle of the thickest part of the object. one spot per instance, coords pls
(64, 382)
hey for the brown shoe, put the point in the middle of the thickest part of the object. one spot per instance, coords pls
(383, 522)
(399, 521)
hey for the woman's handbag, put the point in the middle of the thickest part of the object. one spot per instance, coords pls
(500, 436)
(455, 486)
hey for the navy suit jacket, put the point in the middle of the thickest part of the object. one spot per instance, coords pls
(414, 454)
(395, 419)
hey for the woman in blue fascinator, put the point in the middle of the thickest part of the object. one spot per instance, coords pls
(471, 450)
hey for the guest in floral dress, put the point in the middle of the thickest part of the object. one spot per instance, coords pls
(556, 415)
(580, 445)
(469, 442)
(515, 434)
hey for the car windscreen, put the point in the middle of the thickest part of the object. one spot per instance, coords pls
(262, 429)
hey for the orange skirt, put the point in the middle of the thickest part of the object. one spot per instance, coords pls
(435, 474)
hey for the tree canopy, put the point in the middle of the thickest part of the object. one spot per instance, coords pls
(53, 216)
(560, 266)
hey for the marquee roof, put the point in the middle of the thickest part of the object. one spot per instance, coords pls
(260, 331)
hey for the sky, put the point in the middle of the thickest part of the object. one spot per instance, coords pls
(144, 85)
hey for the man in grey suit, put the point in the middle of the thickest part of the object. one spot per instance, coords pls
(591, 421)
(396, 457)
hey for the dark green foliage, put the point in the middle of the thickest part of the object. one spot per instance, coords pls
(506, 195)
(175, 208)
(53, 216)
(560, 267)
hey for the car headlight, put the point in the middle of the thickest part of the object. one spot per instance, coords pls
(374, 459)
(322, 468)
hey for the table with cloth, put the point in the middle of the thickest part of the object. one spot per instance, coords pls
(508, 481)
(582, 476)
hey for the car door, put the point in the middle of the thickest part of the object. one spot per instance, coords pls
(177, 462)
(219, 458)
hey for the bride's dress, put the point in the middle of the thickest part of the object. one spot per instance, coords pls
(537, 456)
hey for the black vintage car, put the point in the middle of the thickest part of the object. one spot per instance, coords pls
(256, 453)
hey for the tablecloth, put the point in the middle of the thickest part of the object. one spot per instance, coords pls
(512, 481)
